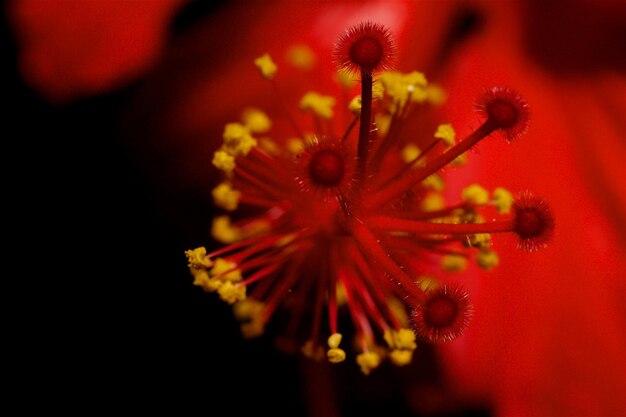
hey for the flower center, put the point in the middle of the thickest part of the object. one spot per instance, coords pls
(326, 168)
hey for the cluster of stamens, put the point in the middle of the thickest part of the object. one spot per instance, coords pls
(352, 224)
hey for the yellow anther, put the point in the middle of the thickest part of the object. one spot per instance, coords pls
(487, 259)
(295, 146)
(248, 309)
(453, 263)
(475, 194)
(399, 87)
(237, 139)
(334, 340)
(252, 329)
(446, 133)
(434, 182)
(400, 339)
(225, 270)
(255, 120)
(212, 285)
(266, 66)
(320, 105)
(480, 240)
(401, 357)
(200, 276)
(223, 231)
(432, 202)
(459, 160)
(223, 161)
(197, 258)
(503, 200)
(336, 355)
(435, 94)
(346, 78)
(378, 91)
(225, 196)
(410, 152)
(404, 339)
(427, 283)
(383, 122)
(231, 293)
(368, 361)
(355, 106)
(301, 57)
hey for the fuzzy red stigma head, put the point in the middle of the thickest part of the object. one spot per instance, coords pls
(367, 47)
(444, 315)
(325, 163)
(506, 111)
(533, 222)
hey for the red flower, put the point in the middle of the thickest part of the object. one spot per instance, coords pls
(547, 334)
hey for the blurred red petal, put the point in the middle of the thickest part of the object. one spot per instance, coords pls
(71, 48)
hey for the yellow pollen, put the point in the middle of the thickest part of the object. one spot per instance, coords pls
(410, 152)
(255, 120)
(399, 87)
(223, 161)
(487, 259)
(434, 182)
(453, 263)
(336, 355)
(401, 357)
(318, 104)
(197, 258)
(446, 133)
(301, 57)
(459, 160)
(221, 268)
(368, 361)
(475, 194)
(503, 200)
(355, 106)
(432, 202)
(237, 139)
(223, 231)
(200, 276)
(334, 340)
(225, 196)
(231, 293)
(252, 329)
(427, 283)
(480, 240)
(248, 309)
(266, 66)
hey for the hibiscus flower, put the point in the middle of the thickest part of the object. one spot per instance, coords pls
(547, 336)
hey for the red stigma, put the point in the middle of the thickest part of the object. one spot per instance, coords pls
(444, 315)
(366, 47)
(326, 167)
(505, 111)
(533, 222)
